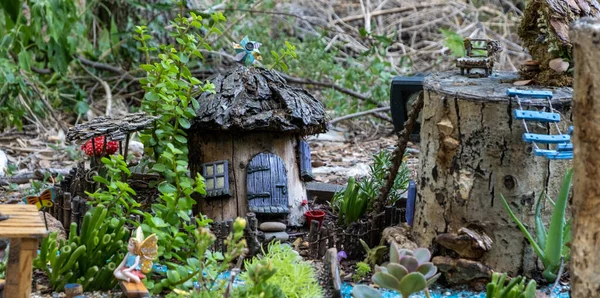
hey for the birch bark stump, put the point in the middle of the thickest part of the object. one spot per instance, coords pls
(471, 152)
(585, 265)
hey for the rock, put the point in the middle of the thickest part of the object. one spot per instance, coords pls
(462, 271)
(281, 236)
(467, 243)
(272, 226)
(54, 226)
(559, 65)
(401, 235)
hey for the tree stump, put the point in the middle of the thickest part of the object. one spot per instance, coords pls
(472, 151)
(585, 264)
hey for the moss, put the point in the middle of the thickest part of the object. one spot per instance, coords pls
(544, 44)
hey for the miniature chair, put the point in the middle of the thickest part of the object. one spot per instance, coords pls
(564, 147)
(472, 60)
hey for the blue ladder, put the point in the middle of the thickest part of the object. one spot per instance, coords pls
(564, 147)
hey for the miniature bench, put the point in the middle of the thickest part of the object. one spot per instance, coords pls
(472, 60)
(133, 290)
(24, 227)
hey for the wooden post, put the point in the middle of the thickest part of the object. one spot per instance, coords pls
(323, 239)
(312, 238)
(66, 219)
(585, 264)
(333, 271)
(19, 266)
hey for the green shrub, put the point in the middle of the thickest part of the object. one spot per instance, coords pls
(294, 276)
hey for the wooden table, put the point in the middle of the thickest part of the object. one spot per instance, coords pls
(23, 228)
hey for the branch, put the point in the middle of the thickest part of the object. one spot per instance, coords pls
(23, 178)
(363, 113)
(398, 154)
(341, 89)
(387, 11)
(102, 66)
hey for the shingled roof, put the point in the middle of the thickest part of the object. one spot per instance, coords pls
(558, 15)
(257, 99)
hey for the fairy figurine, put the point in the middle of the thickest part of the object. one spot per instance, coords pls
(138, 261)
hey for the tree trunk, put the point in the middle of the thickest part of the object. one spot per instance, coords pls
(471, 152)
(585, 265)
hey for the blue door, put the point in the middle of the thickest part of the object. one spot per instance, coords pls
(266, 187)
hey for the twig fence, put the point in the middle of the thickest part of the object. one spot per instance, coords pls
(322, 238)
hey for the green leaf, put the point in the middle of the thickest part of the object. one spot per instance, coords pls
(166, 188)
(81, 107)
(554, 243)
(387, 281)
(173, 276)
(101, 180)
(24, 60)
(536, 247)
(362, 291)
(396, 270)
(540, 230)
(412, 283)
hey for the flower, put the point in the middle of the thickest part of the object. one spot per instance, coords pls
(341, 255)
(111, 147)
(304, 202)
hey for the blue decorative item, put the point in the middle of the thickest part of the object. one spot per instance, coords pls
(247, 51)
(564, 147)
(529, 93)
(410, 202)
(305, 164)
(267, 185)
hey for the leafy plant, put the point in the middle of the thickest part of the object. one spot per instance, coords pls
(359, 195)
(407, 272)
(351, 203)
(362, 269)
(206, 267)
(170, 88)
(88, 257)
(516, 288)
(115, 195)
(258, 284)
(287, 52)
(375, 254)
(295, 277)
(551, 246)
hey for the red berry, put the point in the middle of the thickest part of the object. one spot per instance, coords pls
(111, 147)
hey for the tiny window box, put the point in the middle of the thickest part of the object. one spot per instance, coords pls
(216, 176)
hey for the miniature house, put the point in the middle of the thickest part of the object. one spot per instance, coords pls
(247, 141)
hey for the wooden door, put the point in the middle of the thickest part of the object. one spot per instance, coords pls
(267, 185)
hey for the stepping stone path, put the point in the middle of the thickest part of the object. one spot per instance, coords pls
(274, 230)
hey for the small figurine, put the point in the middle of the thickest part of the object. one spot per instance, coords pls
(138, 261)
(247, 51)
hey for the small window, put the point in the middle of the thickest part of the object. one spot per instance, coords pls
(216, 175)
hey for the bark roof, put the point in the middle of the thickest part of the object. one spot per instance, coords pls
(258, 99)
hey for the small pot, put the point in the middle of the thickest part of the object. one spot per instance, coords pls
(317, 215)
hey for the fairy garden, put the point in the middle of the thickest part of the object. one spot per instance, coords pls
(208, 149)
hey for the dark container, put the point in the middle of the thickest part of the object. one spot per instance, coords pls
(403, 88)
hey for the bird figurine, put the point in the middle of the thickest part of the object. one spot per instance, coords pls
(247, 51)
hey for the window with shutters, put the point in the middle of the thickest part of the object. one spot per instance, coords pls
(216, 176)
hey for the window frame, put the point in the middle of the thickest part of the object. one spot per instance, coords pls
(214, 191)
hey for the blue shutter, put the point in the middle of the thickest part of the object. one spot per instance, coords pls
(267, 185)
(305, 164)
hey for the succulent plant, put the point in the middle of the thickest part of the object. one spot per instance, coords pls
(407, 272)
(516, 288)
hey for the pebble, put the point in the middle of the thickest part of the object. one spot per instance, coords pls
(272, 226)
(281, 236)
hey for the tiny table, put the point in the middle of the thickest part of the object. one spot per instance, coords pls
(23, 228)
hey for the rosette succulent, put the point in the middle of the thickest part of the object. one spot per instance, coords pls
(407, 272)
